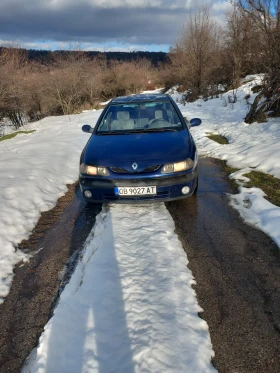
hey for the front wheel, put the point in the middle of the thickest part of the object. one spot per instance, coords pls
(196, 187)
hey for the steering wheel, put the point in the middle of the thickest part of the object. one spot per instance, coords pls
(157, 120)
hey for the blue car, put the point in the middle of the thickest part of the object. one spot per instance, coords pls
(140, 150)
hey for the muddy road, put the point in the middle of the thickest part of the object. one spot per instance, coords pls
(237, 270)
(55, 245)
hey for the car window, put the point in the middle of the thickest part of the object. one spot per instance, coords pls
(140, 117)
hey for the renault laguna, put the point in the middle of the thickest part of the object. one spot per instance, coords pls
(139, 150)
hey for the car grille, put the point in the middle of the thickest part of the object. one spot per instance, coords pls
(119, 170)
(151, 181)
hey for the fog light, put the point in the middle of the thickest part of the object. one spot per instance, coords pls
(185, 190)
(87, 194)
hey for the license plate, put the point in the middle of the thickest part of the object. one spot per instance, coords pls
(135, 191)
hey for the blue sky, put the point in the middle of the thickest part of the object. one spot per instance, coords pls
(102, 25)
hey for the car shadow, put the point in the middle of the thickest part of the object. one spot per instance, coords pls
(89, 331)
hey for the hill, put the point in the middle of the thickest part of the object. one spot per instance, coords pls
(45, 56)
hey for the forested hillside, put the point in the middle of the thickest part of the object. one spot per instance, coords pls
(45, 56)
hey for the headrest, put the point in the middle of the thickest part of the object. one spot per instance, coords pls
(123, 115)
(158, 114)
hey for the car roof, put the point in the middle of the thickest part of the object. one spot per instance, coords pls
(140, 98)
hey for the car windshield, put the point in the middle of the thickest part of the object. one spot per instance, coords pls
(140, 117)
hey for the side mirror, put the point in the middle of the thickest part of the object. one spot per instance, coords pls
(87, 128)
(195, 122)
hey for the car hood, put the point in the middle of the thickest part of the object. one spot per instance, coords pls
(145, 149)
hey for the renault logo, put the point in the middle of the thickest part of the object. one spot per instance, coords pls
(134, 166)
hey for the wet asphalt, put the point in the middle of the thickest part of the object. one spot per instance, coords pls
(237, 273)
(236, 268)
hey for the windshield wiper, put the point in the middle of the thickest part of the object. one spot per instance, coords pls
(112, 132)
(138, 130)
(160, 129)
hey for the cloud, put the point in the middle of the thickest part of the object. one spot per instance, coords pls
(108, 47)
(125, 22)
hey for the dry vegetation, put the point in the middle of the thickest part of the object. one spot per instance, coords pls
(69, 84)
(204, 58)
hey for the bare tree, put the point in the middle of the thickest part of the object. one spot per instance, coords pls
(65, 84)
(70, 83)
(197, 51)
(12, 63)
(265, 14)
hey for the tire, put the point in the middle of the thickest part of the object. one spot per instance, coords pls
(196, 187)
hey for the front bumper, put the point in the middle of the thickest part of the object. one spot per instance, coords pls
(168, 187)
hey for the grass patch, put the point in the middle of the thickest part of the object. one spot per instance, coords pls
(218, 138)
(11, 135)
(269, 184)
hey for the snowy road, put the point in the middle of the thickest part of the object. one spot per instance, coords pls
(142, 297)
(129, 306)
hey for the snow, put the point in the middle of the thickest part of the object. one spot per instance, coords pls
(104, 103)
(6, 127)
(251, 147)
(158, 90)
(34, 171)
(129, 307)
(257, 211)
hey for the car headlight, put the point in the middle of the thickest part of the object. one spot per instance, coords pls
(177, 167)
(92, 170)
